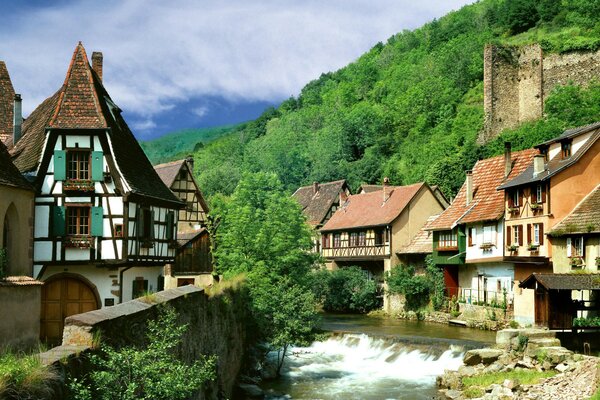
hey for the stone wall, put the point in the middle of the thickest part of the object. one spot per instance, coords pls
(518, 80)
(216, 327)
(20, 297)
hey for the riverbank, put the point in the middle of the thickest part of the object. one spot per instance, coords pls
(524, 364)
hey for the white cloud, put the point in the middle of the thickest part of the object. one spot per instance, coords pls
(200, 111)
(159, 53)
(144, 125)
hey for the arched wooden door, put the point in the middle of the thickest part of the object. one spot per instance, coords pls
(63, 296)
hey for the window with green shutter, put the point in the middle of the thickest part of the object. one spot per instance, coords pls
(97, 166)
(97, 221)
(60, 165)
(170, 225)
(59, 221)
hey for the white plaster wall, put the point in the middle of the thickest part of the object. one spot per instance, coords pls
(42, 251)
(475, 252)
(524, 309)
(78, 141)
(468, 278)
(42, 221)
(149, 273)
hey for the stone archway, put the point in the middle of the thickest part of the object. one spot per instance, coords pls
(64, 295)
(10, 238)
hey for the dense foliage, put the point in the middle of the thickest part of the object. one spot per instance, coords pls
(419, 290)
(261, 233)
(346, 289)
(153, 372)
(25, 377)
(409, 109)
(178, 145)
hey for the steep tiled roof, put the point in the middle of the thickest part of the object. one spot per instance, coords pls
(557, 163)
(488, 203)
(82, 102)
(316, 205)
(585, 218)
(563, 281)
(9, 174)
(167, 172)
(369, 209)
(7, 96)
(184, 238)
(422, 243)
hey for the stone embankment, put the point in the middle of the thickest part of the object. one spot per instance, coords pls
(576, 377)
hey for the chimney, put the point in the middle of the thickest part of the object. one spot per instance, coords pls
(507, 159)
(97, 63)
(18, 119)
(315, 187)
(386, 190)
(469, 187)
(539, 164)
(190, 161)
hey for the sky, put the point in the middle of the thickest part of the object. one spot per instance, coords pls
(174, 64)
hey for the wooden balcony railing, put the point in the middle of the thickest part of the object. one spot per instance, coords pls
(359, 251)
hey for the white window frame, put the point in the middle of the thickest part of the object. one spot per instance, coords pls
(515, 235)
(578, 246)
(536, 234)
(516, 196)
(538, 193)
(473, 236)
(489, 234)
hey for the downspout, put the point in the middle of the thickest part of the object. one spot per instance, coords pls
(121, 283)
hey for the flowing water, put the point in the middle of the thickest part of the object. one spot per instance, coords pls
(372, 359)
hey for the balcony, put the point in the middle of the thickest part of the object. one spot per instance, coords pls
(377, 251)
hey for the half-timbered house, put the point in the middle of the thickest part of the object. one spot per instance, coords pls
(193, 261)
(105, 224)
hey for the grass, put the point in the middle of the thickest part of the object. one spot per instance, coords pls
(475, 385)
(218, 288)
(25, 377)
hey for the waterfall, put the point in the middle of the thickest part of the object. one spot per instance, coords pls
(357, 366)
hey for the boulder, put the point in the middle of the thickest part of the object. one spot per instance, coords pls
(485, 356)
(562, 367)
(512, 384)
(449, 380)
(557, 354)
(453, 394)
(536, 343)
(504, 337)
(464, 370)
(500, 392)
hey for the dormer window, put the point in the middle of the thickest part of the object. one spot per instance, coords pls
(565, 148)
(544, 152)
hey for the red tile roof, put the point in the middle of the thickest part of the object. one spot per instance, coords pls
(316, 205)
(369, 209)
(168, 172)
(488, 202)
(7, 96)
(82, 102)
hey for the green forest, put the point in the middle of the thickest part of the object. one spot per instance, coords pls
(411, 108)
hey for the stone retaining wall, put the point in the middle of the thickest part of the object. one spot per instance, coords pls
(20, 330)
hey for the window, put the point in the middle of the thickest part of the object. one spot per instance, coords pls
(575, 247)
(353, 239)
(517, 229)
(565, 148)
(139, 287)
(489, 234)
(472, 236)
(146, 223)
(536, 233)
(78, 221)
(78, 165)
(118, 230)
(515, 198)
(336, 240)
(362, 238)
(539, 194)
(325, 241)
(448, 240)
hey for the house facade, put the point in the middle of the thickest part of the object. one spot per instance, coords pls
(565, 171)
(368, 230)
(468, 238)
(105, 224)
(193, 260)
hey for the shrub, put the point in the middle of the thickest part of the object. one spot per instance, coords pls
(513, 324)
(416, 288)
(346, 290)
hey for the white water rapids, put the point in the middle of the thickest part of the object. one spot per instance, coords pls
(356, 366)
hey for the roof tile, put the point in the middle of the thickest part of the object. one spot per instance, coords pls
(315, 205)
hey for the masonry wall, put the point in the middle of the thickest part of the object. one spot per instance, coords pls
(517, 82)
(20, 321)
(216, 327)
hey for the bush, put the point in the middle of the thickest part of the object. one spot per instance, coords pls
(416, 288)
(25, 377)
(346, 290)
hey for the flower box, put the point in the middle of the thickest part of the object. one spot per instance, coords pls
(514, 210)
(512, 248)
(533, 247)
(576, 262)
(79, 185)
(486, 246)
(78, 242)
(536, 206)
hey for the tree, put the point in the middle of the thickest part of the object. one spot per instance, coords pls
(262, 234)
(152, 373)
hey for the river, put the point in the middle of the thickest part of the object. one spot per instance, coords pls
(370, 358)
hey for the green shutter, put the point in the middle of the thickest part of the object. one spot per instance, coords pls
(97, 221)
(97, 166)
(60, 165)
(58, 221)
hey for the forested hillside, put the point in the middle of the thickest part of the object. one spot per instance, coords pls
(179, 144)
(411, 108)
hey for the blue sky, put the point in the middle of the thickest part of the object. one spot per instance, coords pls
(187, 63)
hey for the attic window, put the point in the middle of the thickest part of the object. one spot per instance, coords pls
(78, 165)
(565, 148)
(112, 107)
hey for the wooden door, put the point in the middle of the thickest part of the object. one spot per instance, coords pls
(451, 280)
(541, 307)
(61, 298)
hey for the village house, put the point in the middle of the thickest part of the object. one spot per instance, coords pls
(369, 188)
(105, 224)
(193, 260)
(468, 238)
(369, 229)
(562, 174)
(319, 202)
